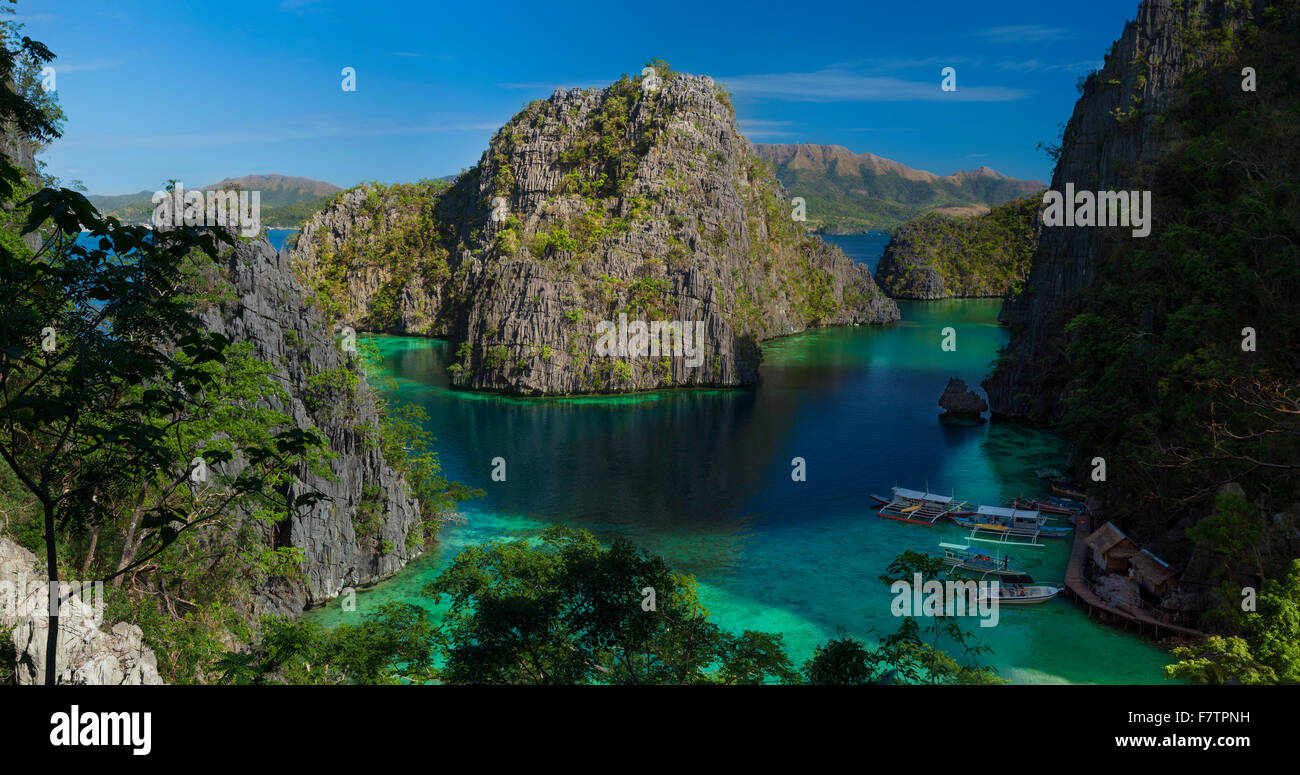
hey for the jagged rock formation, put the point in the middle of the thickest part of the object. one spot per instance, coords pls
(848, 191)
(587, 206)
(938, 257)
(960, 401)
(87, 653)
(22, 153)
(1113, 131)
(377, 260)
(267, 307)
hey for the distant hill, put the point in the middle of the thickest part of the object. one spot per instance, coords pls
(278, 190)
(286, 200)
(847, 191)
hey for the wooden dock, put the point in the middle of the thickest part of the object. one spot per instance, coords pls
(1078, 589)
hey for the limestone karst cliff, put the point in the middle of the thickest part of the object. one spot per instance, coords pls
(266, 306)
(1117, 127)
(1143, 350)
(587, 206)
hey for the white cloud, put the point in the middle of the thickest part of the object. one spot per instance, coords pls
(1033, 65)
(1023, 33)
(272, 132)
(754, 128)
(838, 85)
(60, 67)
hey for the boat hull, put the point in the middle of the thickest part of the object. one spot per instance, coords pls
(1043, 532)
(1034, 595)
(1071, 494)
(897, 517)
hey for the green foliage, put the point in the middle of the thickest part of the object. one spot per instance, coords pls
(497, 356)
(407, 447)
(603, 159)
(106, 430)
(557, 238)
(1266, 652)
(842, 662)
(394, 645)
(331, 390)
(982, 255)
(407, 239)
(1159, 380)
(565, 610)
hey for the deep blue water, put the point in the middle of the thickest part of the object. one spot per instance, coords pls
(702, 477)
(863, 248)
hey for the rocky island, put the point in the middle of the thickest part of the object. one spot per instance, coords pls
(640, 201)
(942, 257)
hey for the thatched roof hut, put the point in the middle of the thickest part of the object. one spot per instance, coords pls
(1152, 573)
(1110, 548)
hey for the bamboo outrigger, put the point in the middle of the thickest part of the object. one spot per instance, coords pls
(963, 557)
(1023, 527)
(921, 508)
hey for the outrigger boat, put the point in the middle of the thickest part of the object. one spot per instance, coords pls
(1020, 594)
(1045, 506)
(922, 508)
(1068, 493)
(1022, 527)
(963, 557)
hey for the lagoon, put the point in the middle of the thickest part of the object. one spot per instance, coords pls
(702, 477)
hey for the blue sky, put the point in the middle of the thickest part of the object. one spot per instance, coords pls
(204, 91)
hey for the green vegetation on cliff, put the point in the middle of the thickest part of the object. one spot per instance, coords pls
(939, 256)
(641, 198)
(1183, 370)
(402, 239)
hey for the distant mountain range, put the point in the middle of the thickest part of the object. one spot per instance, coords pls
(285, 200)
(844, 191)
(847, 191)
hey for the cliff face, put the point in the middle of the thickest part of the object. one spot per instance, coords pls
(22, 154)
(267, 307)
(89, 652)
(586, 207)
(938, 257)
(1115, 130)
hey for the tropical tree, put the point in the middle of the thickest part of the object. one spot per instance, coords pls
(1267, 651)
(564, 610)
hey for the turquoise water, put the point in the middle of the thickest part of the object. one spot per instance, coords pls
(703, 478)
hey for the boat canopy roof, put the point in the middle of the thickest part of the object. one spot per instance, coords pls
(962, 547)
(917, 495)
(1019, 578)
(998, 511)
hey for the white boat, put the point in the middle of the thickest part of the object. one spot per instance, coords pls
(1020, 594)
(1022, 527)
(963, 557)
(922, 508)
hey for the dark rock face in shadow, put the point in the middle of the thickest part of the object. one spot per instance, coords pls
(1098, 152)
(959, 402)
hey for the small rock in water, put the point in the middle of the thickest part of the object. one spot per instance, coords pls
(958, 399)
